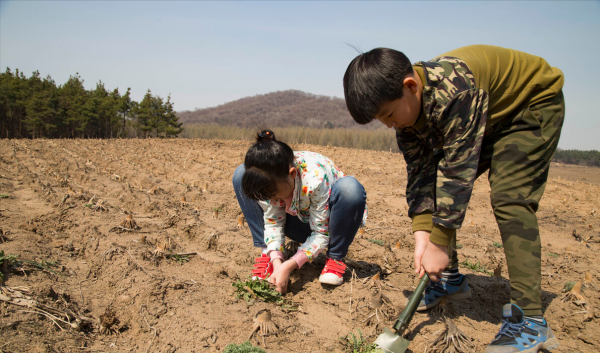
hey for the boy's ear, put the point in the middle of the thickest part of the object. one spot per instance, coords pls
(293, 172)
(410, 83)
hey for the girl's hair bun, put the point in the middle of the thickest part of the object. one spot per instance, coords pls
(265, 135)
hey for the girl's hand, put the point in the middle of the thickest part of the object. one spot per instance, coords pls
(281, 274)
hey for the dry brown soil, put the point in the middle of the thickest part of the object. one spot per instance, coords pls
(66, 196)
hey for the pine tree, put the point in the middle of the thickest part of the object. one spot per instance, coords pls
(173, 126)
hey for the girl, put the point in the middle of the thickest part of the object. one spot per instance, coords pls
(301, 195)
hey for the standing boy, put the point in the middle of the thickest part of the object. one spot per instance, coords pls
(474, 109)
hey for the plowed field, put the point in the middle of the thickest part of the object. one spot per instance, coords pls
(82, 281)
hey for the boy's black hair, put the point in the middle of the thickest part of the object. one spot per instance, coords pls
(267, 163)
(373, 78)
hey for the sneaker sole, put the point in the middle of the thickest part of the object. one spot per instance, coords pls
(331, 282)
(550, 343)
(457, 296)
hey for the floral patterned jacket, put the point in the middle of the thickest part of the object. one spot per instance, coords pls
(310, 202)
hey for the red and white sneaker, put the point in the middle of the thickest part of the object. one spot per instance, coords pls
(333, 272)
(263, 267)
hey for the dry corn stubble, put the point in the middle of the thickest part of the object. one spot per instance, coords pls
(575, 295)
(241, 219)
(129, 223)
(451, 340)
(263, 324)
(381, 305)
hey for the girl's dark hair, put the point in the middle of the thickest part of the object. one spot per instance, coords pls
(373, 78)
(267, 163)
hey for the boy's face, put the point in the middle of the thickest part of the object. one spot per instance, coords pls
(403, 112)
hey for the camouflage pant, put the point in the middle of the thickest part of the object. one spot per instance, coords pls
(517, 153)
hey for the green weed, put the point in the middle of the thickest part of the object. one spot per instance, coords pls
(459, 246)
(377, 241)
(257, 289)
(552, 255)
(498, 245)
(245, 347)
(3, 196)
(568, 286)
(8, 261)
(181, 259)
(476, 267)
(353, 344)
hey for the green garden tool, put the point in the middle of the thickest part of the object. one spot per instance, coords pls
(392, 341)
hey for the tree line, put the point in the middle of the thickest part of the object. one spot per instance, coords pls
(35, 107)
(588, 158)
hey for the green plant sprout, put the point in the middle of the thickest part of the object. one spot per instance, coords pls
(476, 267)
(568, 286)
(353, 344)
(9, 261)
(181, 259)
(245, 347)
(377, 241)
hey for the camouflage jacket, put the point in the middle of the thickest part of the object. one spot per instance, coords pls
(452, 121)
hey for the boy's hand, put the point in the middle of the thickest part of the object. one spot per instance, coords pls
(429, 257)
(421, 241)
(434, 261)
(281, 274)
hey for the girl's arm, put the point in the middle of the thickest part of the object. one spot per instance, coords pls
(274, 217)
(319, 222)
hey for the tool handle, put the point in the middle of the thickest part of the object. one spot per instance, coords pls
(407, 314)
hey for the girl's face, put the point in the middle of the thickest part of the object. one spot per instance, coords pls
(285, 189)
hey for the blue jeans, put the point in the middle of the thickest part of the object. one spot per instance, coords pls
(346, 207)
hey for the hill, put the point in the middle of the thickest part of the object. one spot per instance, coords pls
(281, 109)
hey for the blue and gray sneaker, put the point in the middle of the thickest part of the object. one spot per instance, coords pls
(435, 291)
(521, 334)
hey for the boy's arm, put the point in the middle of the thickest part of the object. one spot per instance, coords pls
(421, 172)
(438, 203)
(463, 127)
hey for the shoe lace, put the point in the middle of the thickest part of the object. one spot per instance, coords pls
(509, 329)
(435, 286)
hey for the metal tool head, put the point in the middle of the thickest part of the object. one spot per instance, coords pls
(390, 342)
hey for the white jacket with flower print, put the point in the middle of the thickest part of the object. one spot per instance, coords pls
(310, 202)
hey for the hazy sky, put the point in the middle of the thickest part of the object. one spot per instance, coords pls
(209, 53)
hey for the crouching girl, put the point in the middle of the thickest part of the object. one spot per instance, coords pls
(301, 195)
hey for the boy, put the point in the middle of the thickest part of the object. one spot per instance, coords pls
(471, 110)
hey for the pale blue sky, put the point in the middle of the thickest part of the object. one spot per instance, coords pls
(208, 53)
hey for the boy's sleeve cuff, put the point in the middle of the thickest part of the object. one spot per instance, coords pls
(422, 221)
(441, 236)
